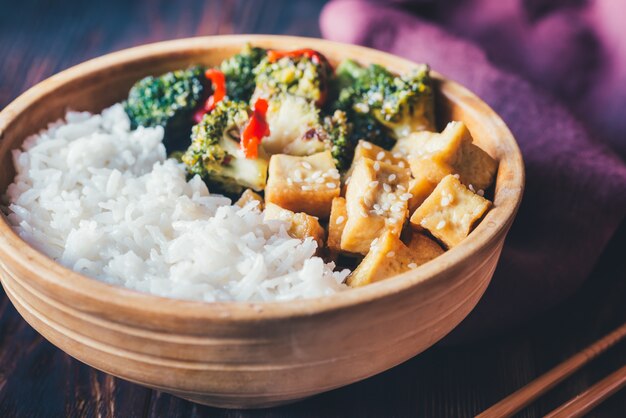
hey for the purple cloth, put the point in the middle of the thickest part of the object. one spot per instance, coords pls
(576, 186)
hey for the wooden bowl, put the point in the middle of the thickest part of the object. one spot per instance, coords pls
(246, 354)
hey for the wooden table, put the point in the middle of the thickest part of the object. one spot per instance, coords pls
(39, 38)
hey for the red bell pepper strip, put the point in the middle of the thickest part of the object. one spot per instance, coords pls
(218, 80)
(254, 131)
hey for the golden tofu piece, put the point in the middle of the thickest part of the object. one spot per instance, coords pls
(433, 156)
(387, 257)
(450, 211)
(250, 196)
(365, 149)
(427, 175)
(303, 184)
(300, 224)
(476, 167)
(423, 248)
(336, 223)
(376, 200)
(442, 146)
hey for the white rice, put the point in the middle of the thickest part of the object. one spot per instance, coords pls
(104, 201)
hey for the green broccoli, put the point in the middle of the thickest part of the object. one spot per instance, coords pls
(409, 106)
(338, 132)
(239, 72)
(214, 153)
(168, 101)
(297, 75)
(402, 104)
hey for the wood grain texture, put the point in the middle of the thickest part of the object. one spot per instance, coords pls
(39, 38)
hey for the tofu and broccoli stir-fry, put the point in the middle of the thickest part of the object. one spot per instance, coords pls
(349, 156)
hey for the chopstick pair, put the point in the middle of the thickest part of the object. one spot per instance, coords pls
(579, 405)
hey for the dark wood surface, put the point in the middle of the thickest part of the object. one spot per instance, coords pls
(40, 38)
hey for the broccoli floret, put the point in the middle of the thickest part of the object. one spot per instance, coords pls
(401, 103)
(300, 76)
(239, 72)
(408, 105)
(338, 132)
(295, 126)
(214, 153)
(168, 101)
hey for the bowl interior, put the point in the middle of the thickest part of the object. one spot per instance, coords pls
(101, 82)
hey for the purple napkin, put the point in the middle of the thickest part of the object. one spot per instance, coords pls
(576, 187)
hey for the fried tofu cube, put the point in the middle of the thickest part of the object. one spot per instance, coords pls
(300, 225)
(423, 248)
(365, 149)
(336, 223)
(433, 156)
(387, 257)
(442, 146)
(476, 167)
(376, 200)
(427, 175)
(450, 211)
(250, 196)
(303, 184)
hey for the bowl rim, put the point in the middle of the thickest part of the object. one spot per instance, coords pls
(18, 251)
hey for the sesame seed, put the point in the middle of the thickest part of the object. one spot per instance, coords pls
(331, 185)
(320, 180)
(456, 176)
(374, 242)
(366, 145)
(386, 187)
(367, 202)
(392, 221)
(298, 175)
(373, 183)
(441, 224)
(316, 175)
(405, 196)
(445, 201)
(307, 165)
(334, 174)
(289, 181)
(340, 220)
(391, 254)
(480, 192)
(412, 265)
(380, 155)
(392, 177)
(471, 188)
(306, 188)
(363, 213)
(401, 187)
(401, 164)
(376, 166)
(397, 155)
(396, 208)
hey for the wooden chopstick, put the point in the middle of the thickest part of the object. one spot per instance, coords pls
(589, 399)
(524, 396)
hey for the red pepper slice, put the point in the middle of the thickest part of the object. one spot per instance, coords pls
(218, 80)
(254, 131)
(312, 54)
